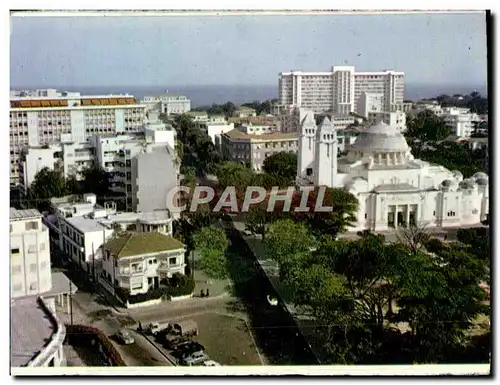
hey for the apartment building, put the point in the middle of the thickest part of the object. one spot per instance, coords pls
(339, 90)
(169, 104)
(244, 112)
(48, 117)
(215, 126)
(37, 335)
(139, 262)
(79, 227)
(29, 254)
(395, 119)
(253, 149)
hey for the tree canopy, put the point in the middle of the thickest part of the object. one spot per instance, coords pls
(427, 126)
(283, 164)
(47, 184)
(212, 243)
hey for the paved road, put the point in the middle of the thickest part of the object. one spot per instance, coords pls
(141, 353)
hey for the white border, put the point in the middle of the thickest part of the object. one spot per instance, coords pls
(221, 5)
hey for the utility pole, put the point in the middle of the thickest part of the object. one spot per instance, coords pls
(70, 304)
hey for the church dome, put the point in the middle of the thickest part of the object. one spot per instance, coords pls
(482, 181)
(467, 184)
(479, 175)
(457, 174)
(381, 138)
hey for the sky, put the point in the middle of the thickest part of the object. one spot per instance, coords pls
(89, 51)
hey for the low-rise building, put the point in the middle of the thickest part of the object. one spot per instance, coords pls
(215, 126)
(169, 104)
(139, 262)
(244, 112)
(79, 228)
(198, 116)
(396, 119)
(253, 149)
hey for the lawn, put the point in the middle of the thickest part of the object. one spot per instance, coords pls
(226, 339)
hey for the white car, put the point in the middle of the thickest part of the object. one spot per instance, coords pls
(125, 337)
(194, 359)
(211, 363)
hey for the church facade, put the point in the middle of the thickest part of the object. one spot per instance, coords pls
(393, 188)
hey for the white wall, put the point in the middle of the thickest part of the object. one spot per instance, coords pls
(30, 259)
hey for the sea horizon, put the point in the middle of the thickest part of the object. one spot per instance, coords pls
(206, 95)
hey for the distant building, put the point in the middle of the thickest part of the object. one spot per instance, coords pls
(339, 89)
(253, 149)
(169, 104)
(48, 117)
(215, 126)
(244, 112)
(139, 262)
(394, 119)
(198, 116)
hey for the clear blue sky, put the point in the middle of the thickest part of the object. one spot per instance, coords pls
(443, 49)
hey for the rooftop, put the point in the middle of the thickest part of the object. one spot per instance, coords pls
(133, 244)
(16, 214)
(85, 224)
(398, 187)
(239, 135)
(31, 330)
(149, 217)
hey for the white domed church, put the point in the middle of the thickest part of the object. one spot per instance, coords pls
(393, 188)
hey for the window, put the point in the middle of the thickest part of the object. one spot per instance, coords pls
(34, 285)
(154, 261)
(42, 246)
(434, 213)
(366, 216)
(172, 261)
(33, 225)
(14, 251)
(309, 171)
(150, 261)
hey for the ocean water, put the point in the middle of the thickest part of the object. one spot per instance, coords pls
(238, 94)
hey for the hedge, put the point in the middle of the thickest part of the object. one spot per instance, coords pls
(176, 286)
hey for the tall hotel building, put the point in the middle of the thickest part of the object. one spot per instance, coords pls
(47, 117)
(339, 90)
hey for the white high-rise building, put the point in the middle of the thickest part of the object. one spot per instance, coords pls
(340, 89)
(47, 117)
(169, 104)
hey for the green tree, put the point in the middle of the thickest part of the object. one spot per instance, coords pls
(426, 126)
(414, 237)
(233, 174)
(212, 243)
(189, 177)
(288, 243)
(283, 164)
(96, 181)
(47, 184)
(339, 219)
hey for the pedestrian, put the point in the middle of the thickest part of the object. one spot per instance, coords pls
(140, 326)
(445, 237)
(202, 293)
(208, 293)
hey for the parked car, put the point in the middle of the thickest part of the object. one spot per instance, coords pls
(173, 342)
(125, 337)
(187, 349)
(211, 363)
(194, 358)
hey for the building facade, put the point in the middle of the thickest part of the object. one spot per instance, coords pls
(29, 253)
(169, 104)
(37, 335)
(55, 117)
(253, 149)
(340, 89)
(392, 187)
(139, 262)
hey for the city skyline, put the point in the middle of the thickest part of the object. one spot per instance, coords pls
(224, 50)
